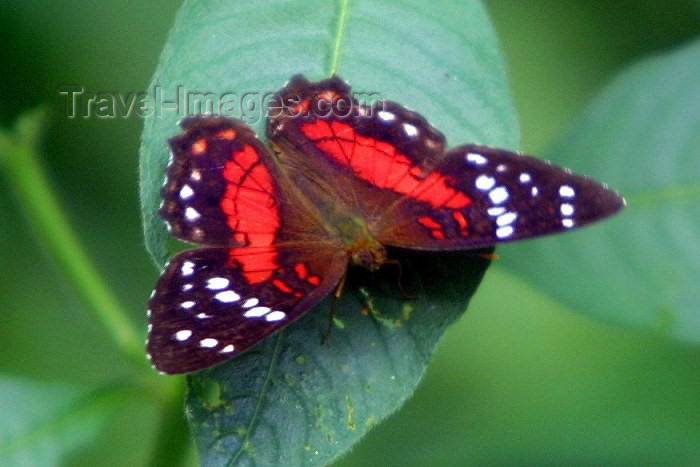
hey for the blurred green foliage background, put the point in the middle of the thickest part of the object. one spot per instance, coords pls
(519, 379)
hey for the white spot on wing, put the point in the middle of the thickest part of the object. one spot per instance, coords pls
(506, 219)
(186, 192)
(208, 343)
(501, 168)
(410, 130)
(191, 214)
(196, 175)
(565, 191)
(386, 116)
(187, 268)
(476, 158)
(498, 195)
(227, 296)
(217, 283)
(525, 177)
(187, 287)
(256, 312)
(504, 232)
(251, 302)
(228, 349)
(183, 334)
(187, 305)
(497, 211)
(566, 209)
(568, 223)
(484, 182)
(275, 316)
(534, 191)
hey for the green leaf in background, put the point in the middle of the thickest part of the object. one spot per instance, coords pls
(42, 424)
(641, 135)
(292, 400)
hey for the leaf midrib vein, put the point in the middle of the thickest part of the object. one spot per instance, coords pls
(261, 396)
(339, 36)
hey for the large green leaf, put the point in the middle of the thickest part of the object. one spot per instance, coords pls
(292, 400)
(641, 135)
(42, 424)
(441, 58)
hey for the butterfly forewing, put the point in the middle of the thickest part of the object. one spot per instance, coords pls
(374, 154)
(221, 186)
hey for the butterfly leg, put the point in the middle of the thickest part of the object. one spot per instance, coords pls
(332, 314)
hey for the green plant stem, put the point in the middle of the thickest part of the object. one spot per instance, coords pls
(173, 439)
(20, 161)
(80, 411)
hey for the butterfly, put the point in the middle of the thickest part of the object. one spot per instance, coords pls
(278, 229)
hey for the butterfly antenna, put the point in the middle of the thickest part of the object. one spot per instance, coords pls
(398, 264)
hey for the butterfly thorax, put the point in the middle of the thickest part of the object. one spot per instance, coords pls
(319, 191)
(363, 249)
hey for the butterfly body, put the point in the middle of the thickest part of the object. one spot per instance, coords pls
(278, 230)
(335, 210)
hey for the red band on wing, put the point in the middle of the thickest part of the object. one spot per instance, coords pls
(302, 272)
(379, 163)
(435, 227)
(458, 216)
(252, 213)
(281, 285)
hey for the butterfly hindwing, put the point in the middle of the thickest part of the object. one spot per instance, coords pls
(207, 307)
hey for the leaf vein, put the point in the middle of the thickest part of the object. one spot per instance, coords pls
(261, 397)
(339, 35)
